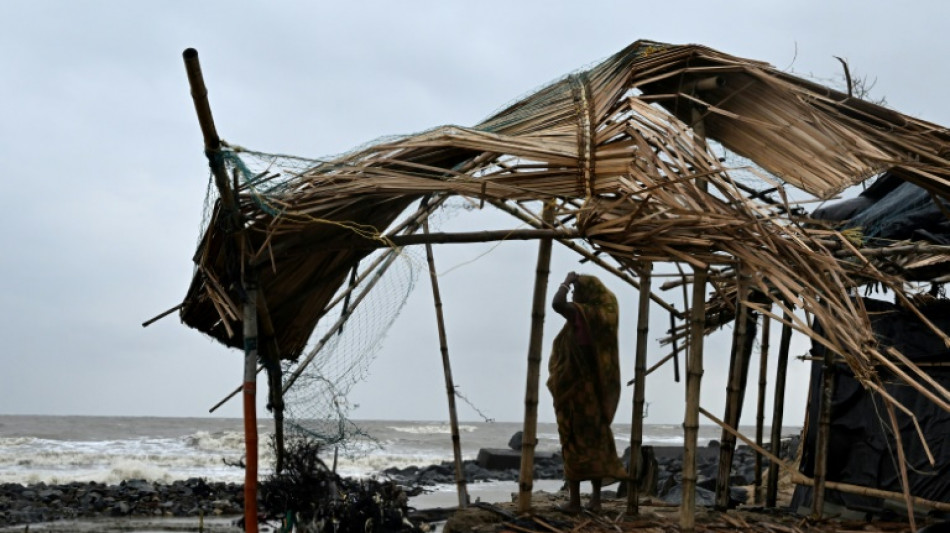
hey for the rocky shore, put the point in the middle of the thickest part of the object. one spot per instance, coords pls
(195, 497)
(666, 462)
(21, 504)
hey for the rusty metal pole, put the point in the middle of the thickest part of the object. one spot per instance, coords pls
(199, 94)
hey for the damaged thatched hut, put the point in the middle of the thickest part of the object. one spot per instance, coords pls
(623, 163)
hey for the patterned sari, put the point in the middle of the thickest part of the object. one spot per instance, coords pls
(584, 379)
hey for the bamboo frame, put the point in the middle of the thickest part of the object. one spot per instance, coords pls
(630, 167)
(529, 434)
(447, 371)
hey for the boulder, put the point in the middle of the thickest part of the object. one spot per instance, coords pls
(516, 441)
(498, 459)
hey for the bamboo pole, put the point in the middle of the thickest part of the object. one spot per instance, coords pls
(462, 237)
(250, 408)
(735, 392)
(760, 407)
(694, 375)
(634, 468)
(824, 434)
(447, 370)
(529, 433)
(778, 407)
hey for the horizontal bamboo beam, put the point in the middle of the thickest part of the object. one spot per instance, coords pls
(590, 257)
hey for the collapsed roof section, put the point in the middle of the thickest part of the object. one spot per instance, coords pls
(621, 150)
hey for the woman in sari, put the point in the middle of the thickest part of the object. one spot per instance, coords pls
(584, 379)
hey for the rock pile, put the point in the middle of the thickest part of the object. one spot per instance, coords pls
(21, 504)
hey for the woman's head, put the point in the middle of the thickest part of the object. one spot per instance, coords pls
(590, 290)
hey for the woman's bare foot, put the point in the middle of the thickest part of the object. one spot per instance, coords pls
(569, 509)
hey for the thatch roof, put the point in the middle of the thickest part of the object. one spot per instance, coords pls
(616, 148)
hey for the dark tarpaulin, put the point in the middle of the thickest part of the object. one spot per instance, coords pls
(891, 209)
(862, 449)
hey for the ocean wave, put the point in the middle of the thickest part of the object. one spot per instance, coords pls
(432, 429)
(219, 441)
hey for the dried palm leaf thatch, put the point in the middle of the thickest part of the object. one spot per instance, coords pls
(615, 148)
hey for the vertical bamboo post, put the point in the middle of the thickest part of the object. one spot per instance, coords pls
(735, 392)
(694, 376)
(639, 390)
(824, 433)
(529, 433)
(760, 407)
(778, 409)
(199, 95)
(447, 369)
(250, 408)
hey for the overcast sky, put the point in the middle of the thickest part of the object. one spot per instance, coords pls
(104, 175)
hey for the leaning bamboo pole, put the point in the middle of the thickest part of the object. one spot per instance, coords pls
(694, 375)
(778, 407)
(530, 430)
(735, 391)
(447, 370)
(634, 468)
(760, 407)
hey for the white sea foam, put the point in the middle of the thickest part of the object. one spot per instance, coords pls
(104, 449)
(432, 429)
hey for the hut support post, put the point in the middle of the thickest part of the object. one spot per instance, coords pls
(639, 390)
(824, 433)
(199, 95)
(250, 407)
(760, 407)
(447, 368)
(694, 375)
(778, 409)
(529, 433)
(735, 393)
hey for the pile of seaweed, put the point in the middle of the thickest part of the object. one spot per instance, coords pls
(309, 496)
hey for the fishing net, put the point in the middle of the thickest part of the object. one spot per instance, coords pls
(349, 336)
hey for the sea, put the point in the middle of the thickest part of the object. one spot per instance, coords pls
(62, 449)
